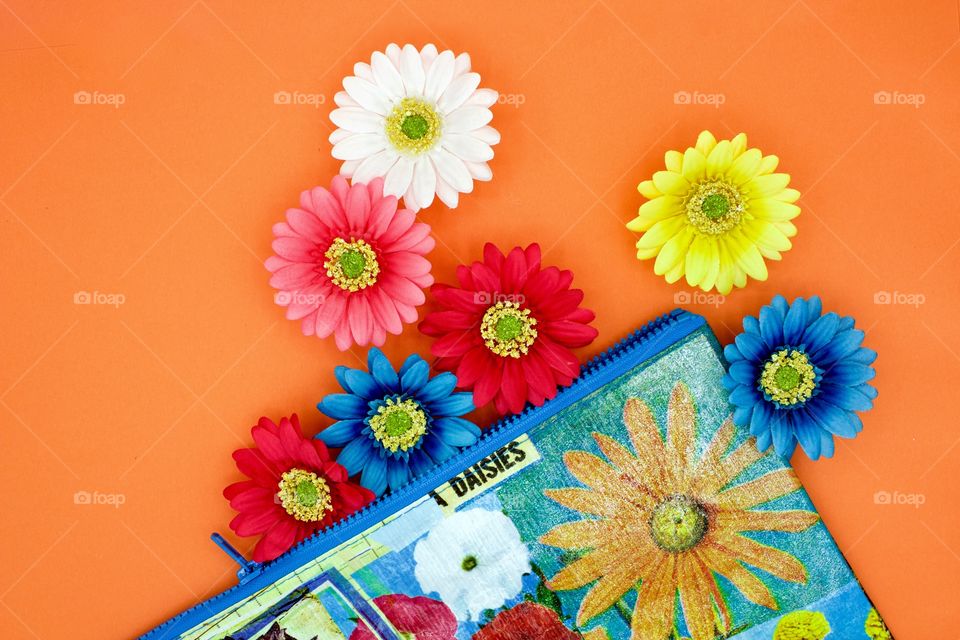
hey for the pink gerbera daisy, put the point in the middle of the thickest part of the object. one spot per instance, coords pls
(508, 329)
(348, 262)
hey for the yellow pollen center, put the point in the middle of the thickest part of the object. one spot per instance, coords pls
(351, 264)
(714, 206)
(507, 330)
(802, 625)
(788, 377)
(304, 495)
(398, 425)
(678, 524)
(413, 126)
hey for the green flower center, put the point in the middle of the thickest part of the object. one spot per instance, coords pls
(678, 524)
(507, 330)
(304, 495)
(469, 563)
(351, 264)
(788, 378)
(413, 126)
(714, 206)
(399, 425)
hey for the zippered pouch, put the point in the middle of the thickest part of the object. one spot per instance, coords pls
(629, 506)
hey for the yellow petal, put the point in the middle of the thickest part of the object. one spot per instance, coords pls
(773, 210)
(656, 599)
(746, 167)
(673, 160)
(580, 572)
(580, 534)
(786, 228)
(655, 210)
(766, 186)
(594, 472)
(670, 182)
(764, 557)
(793, 521)
(713, 266)
(661, 231)
(673, 252)
(747, 256)
(720, 159)
(646, 254)
(766, 235)
(695, 591)
(769, 164)
(698, 259)
(647, 442)
(788, 195)
(769, 486)
(708, 469)
(744, 580)
(648, 190)
(610, 588)
(681, 428)
(694, 165)
(674, 274)
(739, 144)
(725, 277)
(706, 142)
(586, 501)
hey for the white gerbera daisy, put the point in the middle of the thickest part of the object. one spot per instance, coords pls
(418, 120)
(474, 560)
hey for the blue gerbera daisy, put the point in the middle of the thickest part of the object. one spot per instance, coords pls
(396, 425)
(799, 375)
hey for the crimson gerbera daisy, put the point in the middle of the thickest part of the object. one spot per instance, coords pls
(508, 329)
(295, 488)
(348, 262)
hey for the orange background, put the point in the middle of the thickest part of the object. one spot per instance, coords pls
(168, 200)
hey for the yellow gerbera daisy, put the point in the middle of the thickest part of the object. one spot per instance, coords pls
(715, 213)
(663, 520)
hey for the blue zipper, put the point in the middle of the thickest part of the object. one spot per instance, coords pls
(648, 341)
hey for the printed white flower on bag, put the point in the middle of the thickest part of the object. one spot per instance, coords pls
(418, 120)
(474, 560)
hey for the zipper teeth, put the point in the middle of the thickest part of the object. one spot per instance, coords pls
(647, 332)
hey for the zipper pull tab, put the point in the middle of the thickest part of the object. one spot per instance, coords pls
(247, 567)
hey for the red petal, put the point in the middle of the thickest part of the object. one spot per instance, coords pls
(492, 257)
(453, 344)
(471, 367)
(558, 357)
(278, 539)
(488, 383)
(570, 334)
(514, 274)
(514, 385)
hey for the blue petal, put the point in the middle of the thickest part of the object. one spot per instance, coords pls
(420, 463)
(440, 387)
(867, 390)
(843, 344)
(849, 374)
(846, 322)
(397, 473)
(826, 444)
(780, 304)
(340, 406)
(743, 372)
(340, 373)
(731, 353)
(846, 398)
(751, 325)
(363, 384)
(751, 346)
(437, 449)
(413, 379)
(741, 415)
(744, 396)
(728, 383)
(456, 432)
(381, 370)
(795, 322)
(820, 332)
(809, 436)
(832, 419)
(411, 360)
(784, 440)
(375, 475)
(771, 327)
(340, 433)
(814, 309)
(354, 456)
(862, 356)
(761, 417)
(455, 404)
(764, 440)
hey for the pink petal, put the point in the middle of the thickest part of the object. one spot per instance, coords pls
(402, 290)
(360, 318)
(414, 236)
(357, 207)
(406, 264)
(294, 276)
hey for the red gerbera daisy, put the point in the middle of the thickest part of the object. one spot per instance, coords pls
(526, 621)
(294, 490)
(508, 329)
(418, 617)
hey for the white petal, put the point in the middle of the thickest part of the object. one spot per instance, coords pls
(424, 182)
(348, 167)
(375, 166)
(482, 98)
(462, 65)
(411, 68)
(398, 178)
(439, 76)
(452, 170)
(339, 135)
(409, 202)
(357, 120)
(480, 171)
(488, 134)
(447, 194)
(358, 146)
(393, 53)
(343, 99)
(467, 147)
(458, 91)
(367, 95)
(362, 70)
(428, 54)
(467, 119)
(386, 75)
